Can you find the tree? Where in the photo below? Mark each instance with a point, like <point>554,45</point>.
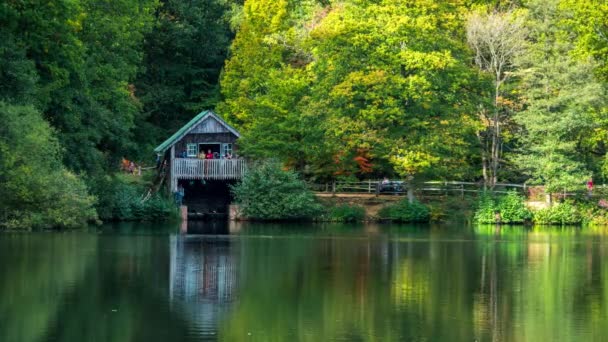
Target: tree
<point>351,88</point>
<point>183,55</point>
<point>75,61</point>
<point>562,100</point>
<point>589,20</point>
<point>393,82</point>
<point>497,39</point>
<point>36,191</point>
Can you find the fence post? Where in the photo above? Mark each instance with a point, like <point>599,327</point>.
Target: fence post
<point>369,186</point>
<point>326,187</point>
<point>333,187</point>
<point>462,190</point>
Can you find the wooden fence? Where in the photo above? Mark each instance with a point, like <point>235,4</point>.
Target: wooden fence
<point>396,187</point>
<point>190,168</point>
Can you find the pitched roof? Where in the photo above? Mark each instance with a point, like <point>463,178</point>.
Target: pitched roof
<point>202,116</point>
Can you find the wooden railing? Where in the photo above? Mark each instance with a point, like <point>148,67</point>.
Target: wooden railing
<point>191,168</point>
<point>398,187</point>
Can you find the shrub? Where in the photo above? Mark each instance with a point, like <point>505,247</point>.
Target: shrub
<point>561,213</point>
<point>511,208</point>
<point>486,209</point>
<point>267,192</point>
<point>403,211</point>
<point>346,213</point>
<point>120,198</point>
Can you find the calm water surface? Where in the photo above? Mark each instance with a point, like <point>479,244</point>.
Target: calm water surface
<point>145,282</point>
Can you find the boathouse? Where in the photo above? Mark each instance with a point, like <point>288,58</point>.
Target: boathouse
<point>207,132</point>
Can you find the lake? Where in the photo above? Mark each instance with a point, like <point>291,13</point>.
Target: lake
<point>274,282</point>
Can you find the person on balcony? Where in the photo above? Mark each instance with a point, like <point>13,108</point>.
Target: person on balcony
<point>201,155</point>
<point>209,154</point>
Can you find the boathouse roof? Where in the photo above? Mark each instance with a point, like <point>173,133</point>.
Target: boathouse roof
<point>205,122</point>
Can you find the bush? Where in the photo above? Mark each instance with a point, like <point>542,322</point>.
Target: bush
<point>267,192</point>
<point>511,208</point>
<point>346,213</point>
<point>403,211</point>
<point>486,209</point>
<point>561,213</point>
<point>120,198</point>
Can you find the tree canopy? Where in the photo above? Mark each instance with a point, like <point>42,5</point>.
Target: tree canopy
<point>416,89</point>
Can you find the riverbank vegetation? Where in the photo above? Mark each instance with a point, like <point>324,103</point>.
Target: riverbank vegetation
<point>511,208</point>
<point>404,211</point>
<point>332,89</point>
<point>124,197</point>
<point>269,192</point>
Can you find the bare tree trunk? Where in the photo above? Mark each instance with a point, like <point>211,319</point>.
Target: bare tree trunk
<point>496,139</point>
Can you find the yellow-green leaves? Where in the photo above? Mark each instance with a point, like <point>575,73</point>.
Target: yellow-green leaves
<point>411,162</point>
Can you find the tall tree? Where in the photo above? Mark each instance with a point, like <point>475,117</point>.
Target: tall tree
<point>497,38</point>
<point>183,56</point>
<point>563,102</point>
<point>351,88</point>
<point>85,54</point>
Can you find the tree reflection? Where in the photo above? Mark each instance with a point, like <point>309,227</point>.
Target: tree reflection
<point>277,283</point>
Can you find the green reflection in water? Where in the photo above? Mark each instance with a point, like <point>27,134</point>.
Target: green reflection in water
<point>276,282</point>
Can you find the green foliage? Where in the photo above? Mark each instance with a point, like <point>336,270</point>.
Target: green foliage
<point>562,104</point>
<point>561,214</point>
<point>36,191</point>
<point>404,211</point>
<point>74,60</point>
<point>121,198</point>
<point>346,213</point>
<point>183,54</point>
<point>268,192</point>
<point>507,208</point>
<point>486,209</point>
<point>352,88</point>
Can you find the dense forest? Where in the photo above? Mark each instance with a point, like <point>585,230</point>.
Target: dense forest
<point>476,90</point>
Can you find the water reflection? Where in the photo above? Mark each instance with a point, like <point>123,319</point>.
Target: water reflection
<point>305,283</point>
<point>204,276</point>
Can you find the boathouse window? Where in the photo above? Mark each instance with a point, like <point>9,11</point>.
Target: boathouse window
<point>191,150</point>
<point>227,149</point>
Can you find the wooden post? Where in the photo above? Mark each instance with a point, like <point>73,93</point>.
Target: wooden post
<point>369,186</point>
<point>234,212</point>
<point>462,190</point>
<point>333,187</point>
<point>172,181</point>
<point>184,214</point>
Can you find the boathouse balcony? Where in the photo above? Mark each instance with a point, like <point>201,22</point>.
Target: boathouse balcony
<point>191,168</point>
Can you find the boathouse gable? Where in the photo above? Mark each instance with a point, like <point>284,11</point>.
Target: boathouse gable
<point>207,131</point>
<point>206,127</point>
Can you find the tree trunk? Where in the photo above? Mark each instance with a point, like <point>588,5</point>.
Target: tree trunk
<point>410,192</point>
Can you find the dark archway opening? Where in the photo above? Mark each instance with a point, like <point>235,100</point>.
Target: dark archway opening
<point>207,199</point>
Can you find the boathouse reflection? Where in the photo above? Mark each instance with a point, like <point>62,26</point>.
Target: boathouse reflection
<point>204,277</point>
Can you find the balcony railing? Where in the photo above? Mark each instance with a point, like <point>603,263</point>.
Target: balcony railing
<point>190,168</point>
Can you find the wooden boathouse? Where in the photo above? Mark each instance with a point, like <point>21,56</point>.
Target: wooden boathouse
<point>205,134</point>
